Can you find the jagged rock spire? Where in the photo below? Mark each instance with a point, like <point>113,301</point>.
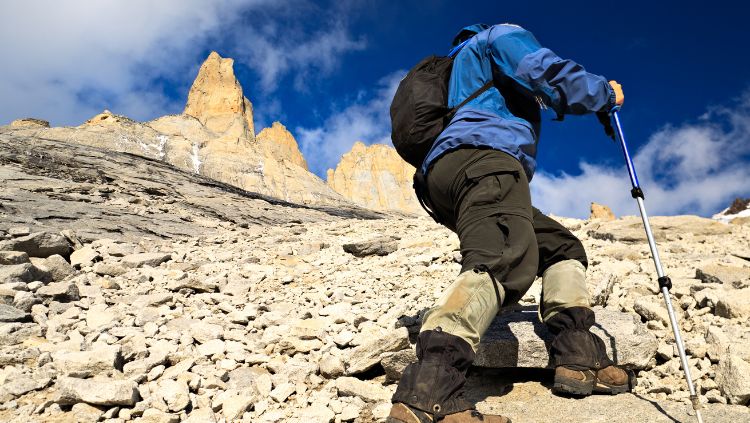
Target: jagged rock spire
<point>217,101</point>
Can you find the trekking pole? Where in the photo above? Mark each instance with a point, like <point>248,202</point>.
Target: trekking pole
<point>664,282</point>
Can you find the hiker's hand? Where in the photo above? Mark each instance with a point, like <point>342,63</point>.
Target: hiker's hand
<point>619,96</point>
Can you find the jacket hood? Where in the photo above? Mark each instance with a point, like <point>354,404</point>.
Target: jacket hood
<point>468,31</point>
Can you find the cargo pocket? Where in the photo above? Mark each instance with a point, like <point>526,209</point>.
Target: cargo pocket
<point>487,185</point>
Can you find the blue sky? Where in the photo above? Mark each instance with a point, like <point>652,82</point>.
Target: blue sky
<point>327,71</point>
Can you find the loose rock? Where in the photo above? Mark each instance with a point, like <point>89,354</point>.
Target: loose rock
<point>99,392</point>
<point>374,247</point>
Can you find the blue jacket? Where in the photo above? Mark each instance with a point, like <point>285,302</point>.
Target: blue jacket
<point>530,76</point>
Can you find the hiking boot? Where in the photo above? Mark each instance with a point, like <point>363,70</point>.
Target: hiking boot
<point>609,380</point>
<point>402,413</point>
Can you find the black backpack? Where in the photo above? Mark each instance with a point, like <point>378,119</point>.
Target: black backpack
<point>419,110</point>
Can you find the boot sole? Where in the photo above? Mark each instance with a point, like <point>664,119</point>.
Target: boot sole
<point>564,385</point>
<point>603,388</point>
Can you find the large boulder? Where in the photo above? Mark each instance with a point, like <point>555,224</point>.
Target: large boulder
<point>518,339</point>
<point>39,244</point>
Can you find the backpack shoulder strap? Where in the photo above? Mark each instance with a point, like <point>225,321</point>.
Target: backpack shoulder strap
<point>474,95</point>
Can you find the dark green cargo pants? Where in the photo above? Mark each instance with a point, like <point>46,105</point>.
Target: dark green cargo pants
<point>483,196</point>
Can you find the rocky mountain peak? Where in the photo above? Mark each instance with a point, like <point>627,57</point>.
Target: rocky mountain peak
<point>279,143</point>
<point>600,211</point>
<point>217,101</point>
<point>108,118</point>
<point>376,177</point>
<point>29,123</point>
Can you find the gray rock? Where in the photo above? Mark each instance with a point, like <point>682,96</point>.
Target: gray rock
<point>282,392</point>
<point>363,357</point>
<point>11,356</point>
<point>17,231</point>
<point>351,386</point>
<point>195,284</point>
<point>318,413</point>
<point>151,300</point>
<point>733,378</point>
<point>629,230</point>
<point>86,413</point>
<point>85,256</point>
<point>56,264</point>
<point>60,291</point>
<point>20,385</point>
<point>152,415</point>
<point>178,369</point>
<point>235,406</point>
<point>734,304</point>
<point>39,244</point>
<point>519,339</point>
<point>738,277</point>
<point>12,314</point>
<point>201,415</point>
<point>13,257</point>
<point>202,331</point>
<point>109,269</point>
<point>651,310</point>
<point>16,333</point>
<point>309,329</point>
<point>394,363</point>
<point>256,378</point>
<point>331,366</point>
<point>175,394</point>
<point>374,247</point>
<point>603,290</point>
<point>137,369</point>
<point>25,272</point>
<point>212,347</point>
<point>145,259</point>
<point>88,363</point>
<point>351,412</point>
<point>72,390</point>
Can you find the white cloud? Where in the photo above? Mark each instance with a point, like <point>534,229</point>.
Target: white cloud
<point>364,120</point>
<point>279,50</point>
<point>695,168</point>
<point>65,61</point>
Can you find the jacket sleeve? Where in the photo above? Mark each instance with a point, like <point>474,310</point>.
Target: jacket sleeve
<point>561,84</point>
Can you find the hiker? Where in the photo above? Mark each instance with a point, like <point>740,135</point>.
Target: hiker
<point>475,181</point>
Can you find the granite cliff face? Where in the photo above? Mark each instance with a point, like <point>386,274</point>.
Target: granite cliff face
<point>375,177</point>
<point>214,138</point>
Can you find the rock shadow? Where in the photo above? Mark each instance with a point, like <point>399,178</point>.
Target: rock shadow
<point>657,406</point>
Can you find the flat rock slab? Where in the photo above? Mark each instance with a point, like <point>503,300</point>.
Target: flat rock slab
<point>518,339</point>
<point>665,228</point>
<point>72,390</point>
<point>54,186</point>
<point>532,401</point>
